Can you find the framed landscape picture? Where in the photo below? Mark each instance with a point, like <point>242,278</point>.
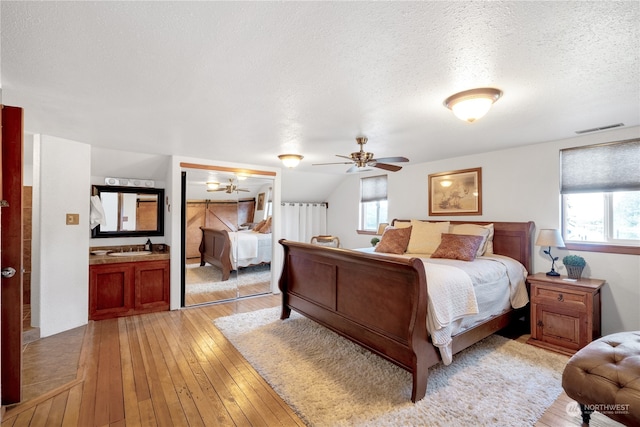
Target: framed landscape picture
<point>260,206</point>
<point>456,192</point>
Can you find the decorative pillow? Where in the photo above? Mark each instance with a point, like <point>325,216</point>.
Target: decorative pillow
<point>401,224</point>
<point>259,225</point>
<point>394,240</point>
<point>474,230</point>
<point>425,236</point>
<point>266,228</point>
<point>458,246</point>
<point>489,244</point>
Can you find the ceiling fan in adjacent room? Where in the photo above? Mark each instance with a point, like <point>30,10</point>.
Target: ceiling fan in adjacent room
<point>362,160</point>
<point>229,188</point>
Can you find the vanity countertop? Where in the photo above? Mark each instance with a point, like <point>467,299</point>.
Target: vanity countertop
<point>134,257</point>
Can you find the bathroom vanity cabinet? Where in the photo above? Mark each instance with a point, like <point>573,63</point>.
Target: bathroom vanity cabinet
<point>127,288</point>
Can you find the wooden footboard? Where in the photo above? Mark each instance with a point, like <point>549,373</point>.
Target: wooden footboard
<point>215,248</point>
<point>380,302</point>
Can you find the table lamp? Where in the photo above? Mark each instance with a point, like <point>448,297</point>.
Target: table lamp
<point>550,237</point>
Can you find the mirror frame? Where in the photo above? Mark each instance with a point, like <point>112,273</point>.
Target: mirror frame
<point>96,233</point>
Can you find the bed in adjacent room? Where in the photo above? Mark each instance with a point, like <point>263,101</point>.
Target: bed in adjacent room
<point>426,292</point>
<point>230,250</point>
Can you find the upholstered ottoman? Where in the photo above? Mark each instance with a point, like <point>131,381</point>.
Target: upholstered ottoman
<point>605,376</point>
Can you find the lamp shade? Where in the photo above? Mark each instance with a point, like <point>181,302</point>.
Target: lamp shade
<point>550,237</point>
<point>290,160</point>
<point>473,104</point>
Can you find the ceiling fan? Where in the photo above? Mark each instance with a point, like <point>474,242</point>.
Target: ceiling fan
<point>361,160</point>
<point>230,188</point>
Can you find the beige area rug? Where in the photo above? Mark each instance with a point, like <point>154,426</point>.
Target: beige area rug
<point>329,381</point>
<point>208,278</point>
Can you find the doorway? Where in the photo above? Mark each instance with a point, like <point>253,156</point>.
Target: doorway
<point>223,208</point>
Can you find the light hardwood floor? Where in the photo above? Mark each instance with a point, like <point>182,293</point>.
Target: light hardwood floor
<point>176,369</point>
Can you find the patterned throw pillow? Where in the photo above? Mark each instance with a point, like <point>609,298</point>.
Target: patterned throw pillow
<point>259,226</point>
<point>475,230</point>
<point>266,228</point>
<point>458,246</point>
<point>394,240</point>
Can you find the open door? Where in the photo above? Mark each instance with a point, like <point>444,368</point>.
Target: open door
<point>11,143</point>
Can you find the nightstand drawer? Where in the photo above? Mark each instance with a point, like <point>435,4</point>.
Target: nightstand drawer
<point>542,295</point>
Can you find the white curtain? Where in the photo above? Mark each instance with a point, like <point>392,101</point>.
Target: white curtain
<point>302,221</point>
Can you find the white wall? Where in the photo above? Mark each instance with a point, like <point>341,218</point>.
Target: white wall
<point>519,184</point>
<point>60,264</point>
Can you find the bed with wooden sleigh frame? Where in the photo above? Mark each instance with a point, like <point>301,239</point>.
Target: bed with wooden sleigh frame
<point>380,302</point>
<point>216,249</point>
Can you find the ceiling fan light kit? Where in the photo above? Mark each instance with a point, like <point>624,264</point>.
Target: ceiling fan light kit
<point>362,161</point>
<point>290,160</point>
<point>470,105</point>
<point>229,188</point>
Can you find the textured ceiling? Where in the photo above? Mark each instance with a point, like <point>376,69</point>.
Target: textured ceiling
<point>246,81</point>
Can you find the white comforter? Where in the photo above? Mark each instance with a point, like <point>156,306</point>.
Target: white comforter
<point>249,248</point>
<point>452,296</point>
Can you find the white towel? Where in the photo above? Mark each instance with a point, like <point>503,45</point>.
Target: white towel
<point>96,215</point>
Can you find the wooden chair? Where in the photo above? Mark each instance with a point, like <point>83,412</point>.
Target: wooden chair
<point>324,240</point>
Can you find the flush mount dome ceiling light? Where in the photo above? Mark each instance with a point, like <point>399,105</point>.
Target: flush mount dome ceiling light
<point>290,160</point>
<point>470,105</point>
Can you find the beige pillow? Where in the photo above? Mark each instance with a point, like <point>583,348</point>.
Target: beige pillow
<point>401,224</point>
<point>259,226</point>
<point>474,230</point>
<point>266,228</point>
<point>394,240</point>
<point>425,236</point>
<point>458,246</point>
<point>489,243</point>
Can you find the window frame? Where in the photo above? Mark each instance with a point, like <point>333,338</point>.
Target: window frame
<point>361,206</point>
<point>611,245</point>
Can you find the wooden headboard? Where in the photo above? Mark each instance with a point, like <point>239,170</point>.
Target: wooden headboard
<point>512,239</point>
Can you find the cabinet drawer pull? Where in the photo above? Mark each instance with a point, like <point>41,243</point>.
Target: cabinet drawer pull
<point>560,297</point>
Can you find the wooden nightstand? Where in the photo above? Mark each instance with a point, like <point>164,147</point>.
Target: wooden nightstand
<point>565,315</point>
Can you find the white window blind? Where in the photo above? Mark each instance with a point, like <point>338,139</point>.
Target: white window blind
<point>373,189</point>
<point>601,168</point>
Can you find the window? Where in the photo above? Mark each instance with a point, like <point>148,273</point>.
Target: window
<point>373,202</point>
<point>600,187</point>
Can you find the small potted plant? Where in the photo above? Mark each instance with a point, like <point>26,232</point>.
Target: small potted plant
<point>374,241</point>
<point>574,264</point>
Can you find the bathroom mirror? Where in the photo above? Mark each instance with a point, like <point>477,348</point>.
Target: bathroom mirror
<point>130,211</point>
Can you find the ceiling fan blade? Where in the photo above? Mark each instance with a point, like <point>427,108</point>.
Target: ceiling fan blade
<point>355,168</point>
<point>386,166</point>
<point>242,189</point>
<point>352,169</point>
<point>337,163</point>
<point>391,159</point>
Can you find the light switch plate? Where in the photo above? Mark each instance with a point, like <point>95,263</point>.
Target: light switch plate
<point>73,219</point>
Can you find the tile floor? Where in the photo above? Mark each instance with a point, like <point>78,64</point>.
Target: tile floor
<point>50,362</point>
